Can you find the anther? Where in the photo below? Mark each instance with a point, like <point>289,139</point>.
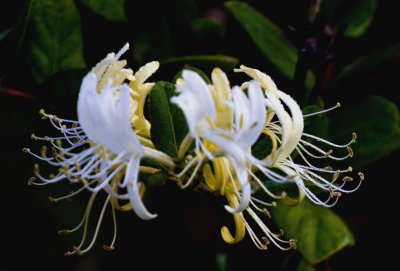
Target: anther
<point>31,180</point>
<point>77,250</point>
<point>266,212</point>
<point>63,232</point>
<point>51,199</point>
<point>338,105</point>
<point>361,175</point>
<point>354,137</point>
<point>293,243</point>
<point>347,179</point>
<point>328,153</point>
<point>107,248</point>
<point>336,175</point>
<point>43,114</point>
<point>350,150</point>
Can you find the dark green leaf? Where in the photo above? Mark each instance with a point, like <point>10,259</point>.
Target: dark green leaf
<point>168,124</point>
<point>319,232</point>
<point>156,179</point>
<point>269,38</point>
<point>204,63</point>
<point>359,16</point>
<point>56,38</point>
<point>113,10</point>
<point>207,27</point>
<point>13,37</point>
<point>262,148</point>
<point>365,63</point>
<point>376,122</point>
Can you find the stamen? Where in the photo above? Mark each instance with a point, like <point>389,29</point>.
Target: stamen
<point>323,111</point>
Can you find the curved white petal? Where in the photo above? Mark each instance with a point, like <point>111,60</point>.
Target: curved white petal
<point>196,102</point>
<point>250,114</point>
<point>296,128</point>
<point>104,116</point>
<point>238,159</point>
<point>131,179</point>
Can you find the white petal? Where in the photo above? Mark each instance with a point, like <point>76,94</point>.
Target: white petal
<point>297,125</point>
<point>131,179</point>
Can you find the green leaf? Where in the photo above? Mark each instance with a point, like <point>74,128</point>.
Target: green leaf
<point>268,37</point>
<point>262,148</point>
<point>113,10</point>
<point>320,233</point>
<point>56,38</point>
<point>207,27</point>
<point>365,63</point>
<point>376,122</point>
<point>168,124</point>
<point>203,62</point>
<point>13,37</point>
<point>359,17</point>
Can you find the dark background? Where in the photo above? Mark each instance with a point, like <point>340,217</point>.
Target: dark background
<point>186,235</point>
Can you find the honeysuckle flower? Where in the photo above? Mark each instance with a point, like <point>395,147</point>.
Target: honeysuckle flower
<point>101,150</point>
<point>199,105</point>
<point>287,132</point>
<point>242,120</point>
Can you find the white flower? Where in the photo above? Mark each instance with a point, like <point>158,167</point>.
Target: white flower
<point>101,150</point>
<point>199,105</point>
<point>288,132</point>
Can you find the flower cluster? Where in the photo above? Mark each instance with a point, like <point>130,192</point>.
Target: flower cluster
<point>105,148</point>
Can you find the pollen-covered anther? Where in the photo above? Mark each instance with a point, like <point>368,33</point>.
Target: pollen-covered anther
<point>77,250</point>
<point>43,151</point>
<point>63,232</point>
<point>36,169</point>
<point>107,248</point>
<point>347,179</point>
<point>338,105</point>
<point>361,176</point>
<point>336,175</point>
<point>266,212</point>
<point>266,242</point>
<point>31,180</point>
<point>354,137</point>
<point>293,243</point>
<point>328,153</point>
<point>51,199</point>
<point>26,150</point>
<point>350,150</point>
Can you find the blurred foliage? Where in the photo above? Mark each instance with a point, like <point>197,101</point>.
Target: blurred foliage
<point>321,52</point>
<point>319,232</point>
